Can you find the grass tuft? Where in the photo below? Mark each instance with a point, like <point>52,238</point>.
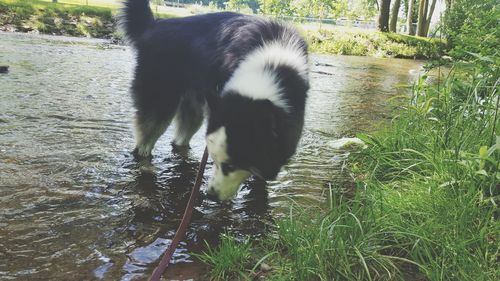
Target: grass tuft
<point>228,261</point>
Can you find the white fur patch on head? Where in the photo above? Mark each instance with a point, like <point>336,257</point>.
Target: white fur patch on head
<point>225,186</point>
<point>253,78</point>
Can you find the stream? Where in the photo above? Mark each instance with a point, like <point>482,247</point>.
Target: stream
<point>73,202</point>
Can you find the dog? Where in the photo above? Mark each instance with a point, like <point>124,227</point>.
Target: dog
<point>248,75</point>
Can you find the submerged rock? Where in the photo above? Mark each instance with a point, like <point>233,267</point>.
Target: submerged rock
<point>347,144</point>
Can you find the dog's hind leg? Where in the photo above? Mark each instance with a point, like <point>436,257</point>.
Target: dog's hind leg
<point>188,118</point>
<point>156,103</point>
<point>149,129</point>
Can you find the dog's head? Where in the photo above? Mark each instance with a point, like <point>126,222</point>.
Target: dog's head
<point>256,121</point>
<point>245,137</point>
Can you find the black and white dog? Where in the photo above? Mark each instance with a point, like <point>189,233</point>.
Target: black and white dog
<point>249,74</point>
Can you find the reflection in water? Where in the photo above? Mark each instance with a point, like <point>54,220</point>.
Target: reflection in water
<point>73,201</point>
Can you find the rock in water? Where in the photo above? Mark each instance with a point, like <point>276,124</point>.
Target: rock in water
<point>347,144</point>
<point>4,68</point>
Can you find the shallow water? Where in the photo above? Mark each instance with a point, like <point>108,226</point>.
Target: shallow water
<point>73,204</point>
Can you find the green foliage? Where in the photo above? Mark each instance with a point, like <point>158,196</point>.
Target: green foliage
<point>229,260</point>
<point>472,27</point>
<point>359,8</point>
<point>239,6</point>
<point>346,243</point>
<point>368,43</point>
<point>438,167</point>
<point>314,8</point>
<point>318,8</point>
<point>276,8</point>
<point>61,19</point>
<point>452,122</point>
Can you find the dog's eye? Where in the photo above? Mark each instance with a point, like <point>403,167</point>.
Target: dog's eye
<point>227,168</point>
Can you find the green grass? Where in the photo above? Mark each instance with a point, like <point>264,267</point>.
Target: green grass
<point>94,3</point>
<point>436,169</point>
<point>358,42</point>
<point>425,206</point>
<point>69,17</point>
<point>60,18</point>
<point>229,260</point>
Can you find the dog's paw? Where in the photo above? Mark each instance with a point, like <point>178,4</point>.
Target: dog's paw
<point>140,156</point>
<point>179,148</point>
<point>146,167</point>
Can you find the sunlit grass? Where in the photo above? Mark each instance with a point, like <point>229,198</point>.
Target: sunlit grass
<point>61,18</point>
<point>95,3</point>
<point>114,5</point>
<point>363,42</point>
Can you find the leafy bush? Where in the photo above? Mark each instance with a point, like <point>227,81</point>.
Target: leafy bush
<point>472,27</point>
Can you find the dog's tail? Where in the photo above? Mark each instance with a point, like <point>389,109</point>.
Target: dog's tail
<point>135,18</point>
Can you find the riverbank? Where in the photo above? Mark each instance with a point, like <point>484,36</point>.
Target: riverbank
<point>56,19</point>
<point>362,42</point>
<point>100,22</point>
<point>424,205</point>
<point>60,19</point>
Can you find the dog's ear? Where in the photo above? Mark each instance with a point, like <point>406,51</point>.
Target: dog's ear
<point>267,134</point>
<point>267,119</point>
<point>214,112</point>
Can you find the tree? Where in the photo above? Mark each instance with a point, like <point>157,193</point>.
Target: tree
<point>276,7</point>
<point>312,8</point>
<point>429,17</point>
<point>383,17</point>
<point>238,5</point>
<point>410,18</point>
<point>424,17</point>
<point>394,16</point>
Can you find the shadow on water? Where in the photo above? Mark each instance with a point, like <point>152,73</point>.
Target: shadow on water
<point>73,202</point>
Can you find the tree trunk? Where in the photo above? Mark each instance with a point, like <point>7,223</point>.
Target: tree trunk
<point>394,16</point>
<point>383,18</point>
<point>410,17</point>
<point>429,17</point>
<point>422,13</point>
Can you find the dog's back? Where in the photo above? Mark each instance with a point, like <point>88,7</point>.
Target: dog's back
<point>207,47</point>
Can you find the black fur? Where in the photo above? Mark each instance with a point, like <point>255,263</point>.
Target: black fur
<point>184,62</point>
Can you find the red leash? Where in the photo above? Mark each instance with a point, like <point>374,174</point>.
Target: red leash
<point>181,231</point>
